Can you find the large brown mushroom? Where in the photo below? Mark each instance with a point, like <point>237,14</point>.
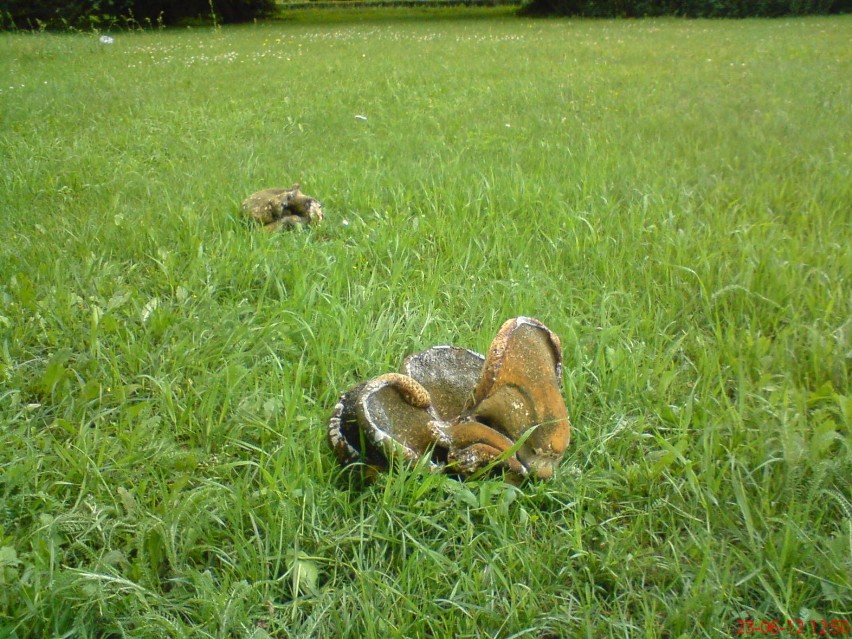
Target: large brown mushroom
<point>465,412</point>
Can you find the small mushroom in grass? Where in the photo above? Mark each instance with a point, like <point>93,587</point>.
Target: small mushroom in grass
<point>279,209</point>
<point>466,412</point>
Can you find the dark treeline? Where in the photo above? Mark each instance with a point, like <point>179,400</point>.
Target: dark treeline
<point>686,8</point>
<point>32,14</point>
<point>36,14</point>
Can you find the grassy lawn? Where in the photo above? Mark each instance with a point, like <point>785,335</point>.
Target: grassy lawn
<point>671,197</point>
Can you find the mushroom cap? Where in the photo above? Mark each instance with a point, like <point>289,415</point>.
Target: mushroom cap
<point>405,414</point>
<point>386,417</point>
<point>450,374</point>
<point>520,390</point>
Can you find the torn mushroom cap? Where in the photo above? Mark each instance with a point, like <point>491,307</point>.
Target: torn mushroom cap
<point>520,389</point>
<point>387,417</point>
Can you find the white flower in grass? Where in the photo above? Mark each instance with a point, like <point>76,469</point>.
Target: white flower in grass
<point>105,39</point>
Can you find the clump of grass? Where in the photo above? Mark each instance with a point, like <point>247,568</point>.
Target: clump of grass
<point>670,197</point>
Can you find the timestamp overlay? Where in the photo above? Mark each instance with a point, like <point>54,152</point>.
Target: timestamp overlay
<point>791,627</point>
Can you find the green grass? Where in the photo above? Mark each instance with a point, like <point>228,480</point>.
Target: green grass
<point>670,197</point>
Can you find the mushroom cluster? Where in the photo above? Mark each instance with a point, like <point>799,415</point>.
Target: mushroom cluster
<point>278,209</point>
<point>463,413</point>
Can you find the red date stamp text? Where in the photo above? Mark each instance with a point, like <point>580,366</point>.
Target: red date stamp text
<point>811,627</point>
